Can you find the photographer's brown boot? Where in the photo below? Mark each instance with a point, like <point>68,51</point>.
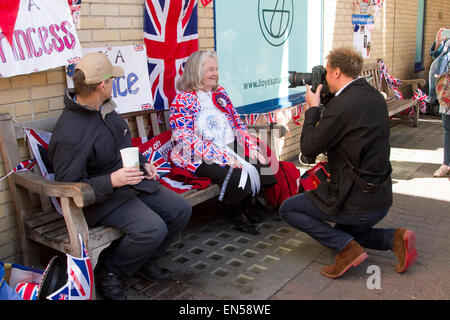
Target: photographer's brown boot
<point>352,255</point>
<point>404,248</point>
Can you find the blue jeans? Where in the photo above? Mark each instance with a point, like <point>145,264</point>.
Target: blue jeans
<point>446,125</point>
<point>301,213</point>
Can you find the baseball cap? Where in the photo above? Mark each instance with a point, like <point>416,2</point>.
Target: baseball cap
<point>97,68</point>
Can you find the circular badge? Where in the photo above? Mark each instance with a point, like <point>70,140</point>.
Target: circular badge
<point>275,20</point>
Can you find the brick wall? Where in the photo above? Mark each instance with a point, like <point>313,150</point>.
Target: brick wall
<point>119,22</point>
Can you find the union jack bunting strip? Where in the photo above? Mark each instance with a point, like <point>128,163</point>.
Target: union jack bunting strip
<point>423,98</point>
<point>298,110</point>
<point>170,36</point>
<point>79,284</point>
<point>251,119</point>
<point>392,82</point>
<point>23,166</point>
<point>271,117</point>
<point>75,6</point>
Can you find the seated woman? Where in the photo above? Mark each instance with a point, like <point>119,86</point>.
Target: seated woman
<point>209,134</point>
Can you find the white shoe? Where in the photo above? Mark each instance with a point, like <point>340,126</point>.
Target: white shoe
<point>443,171</point>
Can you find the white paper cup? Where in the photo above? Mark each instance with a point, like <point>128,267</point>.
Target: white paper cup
<point>130,157</point>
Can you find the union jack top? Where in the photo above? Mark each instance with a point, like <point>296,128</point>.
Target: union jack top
<point>190,149</point>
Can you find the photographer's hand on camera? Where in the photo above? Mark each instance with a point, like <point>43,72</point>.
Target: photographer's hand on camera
<point>313,99</point>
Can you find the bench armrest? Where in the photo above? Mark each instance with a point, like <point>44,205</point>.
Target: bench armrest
<point>414,82</point>
<point>82,193</point>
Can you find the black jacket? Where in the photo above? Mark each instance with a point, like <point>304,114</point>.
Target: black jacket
<point>354,125</point>
<point>84,147</point>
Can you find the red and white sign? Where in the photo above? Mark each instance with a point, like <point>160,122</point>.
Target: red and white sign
<point>36,35</point>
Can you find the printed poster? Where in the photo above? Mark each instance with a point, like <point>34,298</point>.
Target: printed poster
<point>36,35</point>
<point>362,26</point>
<point>131,92</point>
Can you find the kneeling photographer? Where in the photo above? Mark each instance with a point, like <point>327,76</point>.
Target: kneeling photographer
<point>354,132</point>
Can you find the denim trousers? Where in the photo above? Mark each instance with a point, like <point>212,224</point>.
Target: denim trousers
<point>301,213</point>
<point>446,125</point>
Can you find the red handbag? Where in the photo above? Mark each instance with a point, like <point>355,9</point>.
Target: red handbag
<point>311,179</point>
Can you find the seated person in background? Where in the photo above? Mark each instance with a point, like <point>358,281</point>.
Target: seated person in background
<point>85,148</point>
<point>207,131</point>
<point>354,131</point>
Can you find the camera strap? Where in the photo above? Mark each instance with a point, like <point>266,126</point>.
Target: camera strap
<point>360,182</point>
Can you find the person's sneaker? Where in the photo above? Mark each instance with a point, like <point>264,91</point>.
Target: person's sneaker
<point>352,255</point>
<point>154,272</point>
<point>110,285</point>
<point>404,248</point>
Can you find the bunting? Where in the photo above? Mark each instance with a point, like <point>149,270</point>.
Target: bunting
<point>280,116</point>
<point>423,98</point>
<point>392,82</point>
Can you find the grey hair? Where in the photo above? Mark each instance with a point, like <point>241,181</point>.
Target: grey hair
<point>191,79</point>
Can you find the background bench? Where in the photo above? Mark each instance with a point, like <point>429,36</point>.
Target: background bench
<point>37,220</point>
<point>373,74</point>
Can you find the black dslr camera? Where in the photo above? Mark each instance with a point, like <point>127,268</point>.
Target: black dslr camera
<point>316,77</point>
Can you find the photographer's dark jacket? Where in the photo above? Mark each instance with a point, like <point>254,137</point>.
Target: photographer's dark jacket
<point>84,147</point>
<point>354,125</point>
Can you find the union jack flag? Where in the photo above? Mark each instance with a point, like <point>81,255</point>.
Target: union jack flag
<point>79,284</point>
<point>75,6</point>
<point>162,166</point>
<point>170,36</point>
<point>23,166</point>
<point>27,290</point>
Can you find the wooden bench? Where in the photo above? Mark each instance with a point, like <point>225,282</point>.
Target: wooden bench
<point>373,75</point>
<point>37,220</point>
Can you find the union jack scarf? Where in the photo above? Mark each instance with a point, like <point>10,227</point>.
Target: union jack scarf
<point>26,165</point>
<point>392,82</point>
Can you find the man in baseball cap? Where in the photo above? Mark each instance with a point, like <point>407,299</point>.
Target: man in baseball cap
<point>97,68</point>
<point>85,147</point>
<point>92,75</point>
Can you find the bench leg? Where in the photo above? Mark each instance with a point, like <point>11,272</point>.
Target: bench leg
<point>416,115</point>
<point>76,224</point>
